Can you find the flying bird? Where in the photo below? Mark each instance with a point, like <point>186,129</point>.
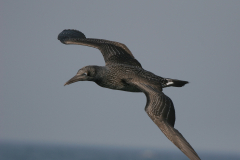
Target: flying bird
<point>123,72</point>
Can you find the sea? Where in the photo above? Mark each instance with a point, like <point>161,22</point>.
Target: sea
<point>23,151</point>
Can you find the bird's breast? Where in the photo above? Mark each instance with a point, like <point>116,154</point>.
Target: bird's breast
<point>115,75</point>
<point>117,84</point>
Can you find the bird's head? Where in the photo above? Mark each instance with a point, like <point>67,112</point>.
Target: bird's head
<point>87,73</point>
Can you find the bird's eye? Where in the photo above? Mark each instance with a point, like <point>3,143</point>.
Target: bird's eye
<point>85,74</point>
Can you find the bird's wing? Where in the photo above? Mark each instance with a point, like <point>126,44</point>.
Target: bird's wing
<point>160,109</point>
<point>113,52</point>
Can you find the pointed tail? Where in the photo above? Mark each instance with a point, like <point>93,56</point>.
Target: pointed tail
<point>175,83</point>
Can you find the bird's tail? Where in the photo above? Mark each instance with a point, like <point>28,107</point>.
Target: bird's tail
<point>175,82</point>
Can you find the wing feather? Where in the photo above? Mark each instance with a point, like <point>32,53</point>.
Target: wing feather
<point>113,52</point>
<point>160,109</point>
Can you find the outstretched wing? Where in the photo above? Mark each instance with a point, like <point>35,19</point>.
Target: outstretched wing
<point>113,52</point>
<point>160,109</point>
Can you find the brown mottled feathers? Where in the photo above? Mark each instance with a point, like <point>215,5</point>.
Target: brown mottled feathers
<point>160,109</point>
<point>113,52</point>
<point>124,72</point>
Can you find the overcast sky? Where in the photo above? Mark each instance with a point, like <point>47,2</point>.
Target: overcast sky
<point>197,41</point>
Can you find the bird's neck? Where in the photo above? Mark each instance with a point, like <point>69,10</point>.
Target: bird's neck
<point>100,72</point>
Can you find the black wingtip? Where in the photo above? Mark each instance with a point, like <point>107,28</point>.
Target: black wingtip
<point>70,34</point>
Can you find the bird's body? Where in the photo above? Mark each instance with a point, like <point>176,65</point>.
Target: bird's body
<point>111,79</point>
<point>115,77</point>
<point>123,72</point>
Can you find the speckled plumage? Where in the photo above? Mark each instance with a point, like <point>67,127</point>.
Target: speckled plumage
<point>123,72</point>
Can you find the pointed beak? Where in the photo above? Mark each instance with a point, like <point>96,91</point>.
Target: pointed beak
<point>74,79</point>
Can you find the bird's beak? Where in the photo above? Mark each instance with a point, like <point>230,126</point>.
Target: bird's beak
<point>74,79</point>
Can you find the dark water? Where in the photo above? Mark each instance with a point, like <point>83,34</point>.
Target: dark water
<point>11,151</point>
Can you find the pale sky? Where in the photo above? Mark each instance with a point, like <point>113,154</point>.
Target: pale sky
<point>196,41</point>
